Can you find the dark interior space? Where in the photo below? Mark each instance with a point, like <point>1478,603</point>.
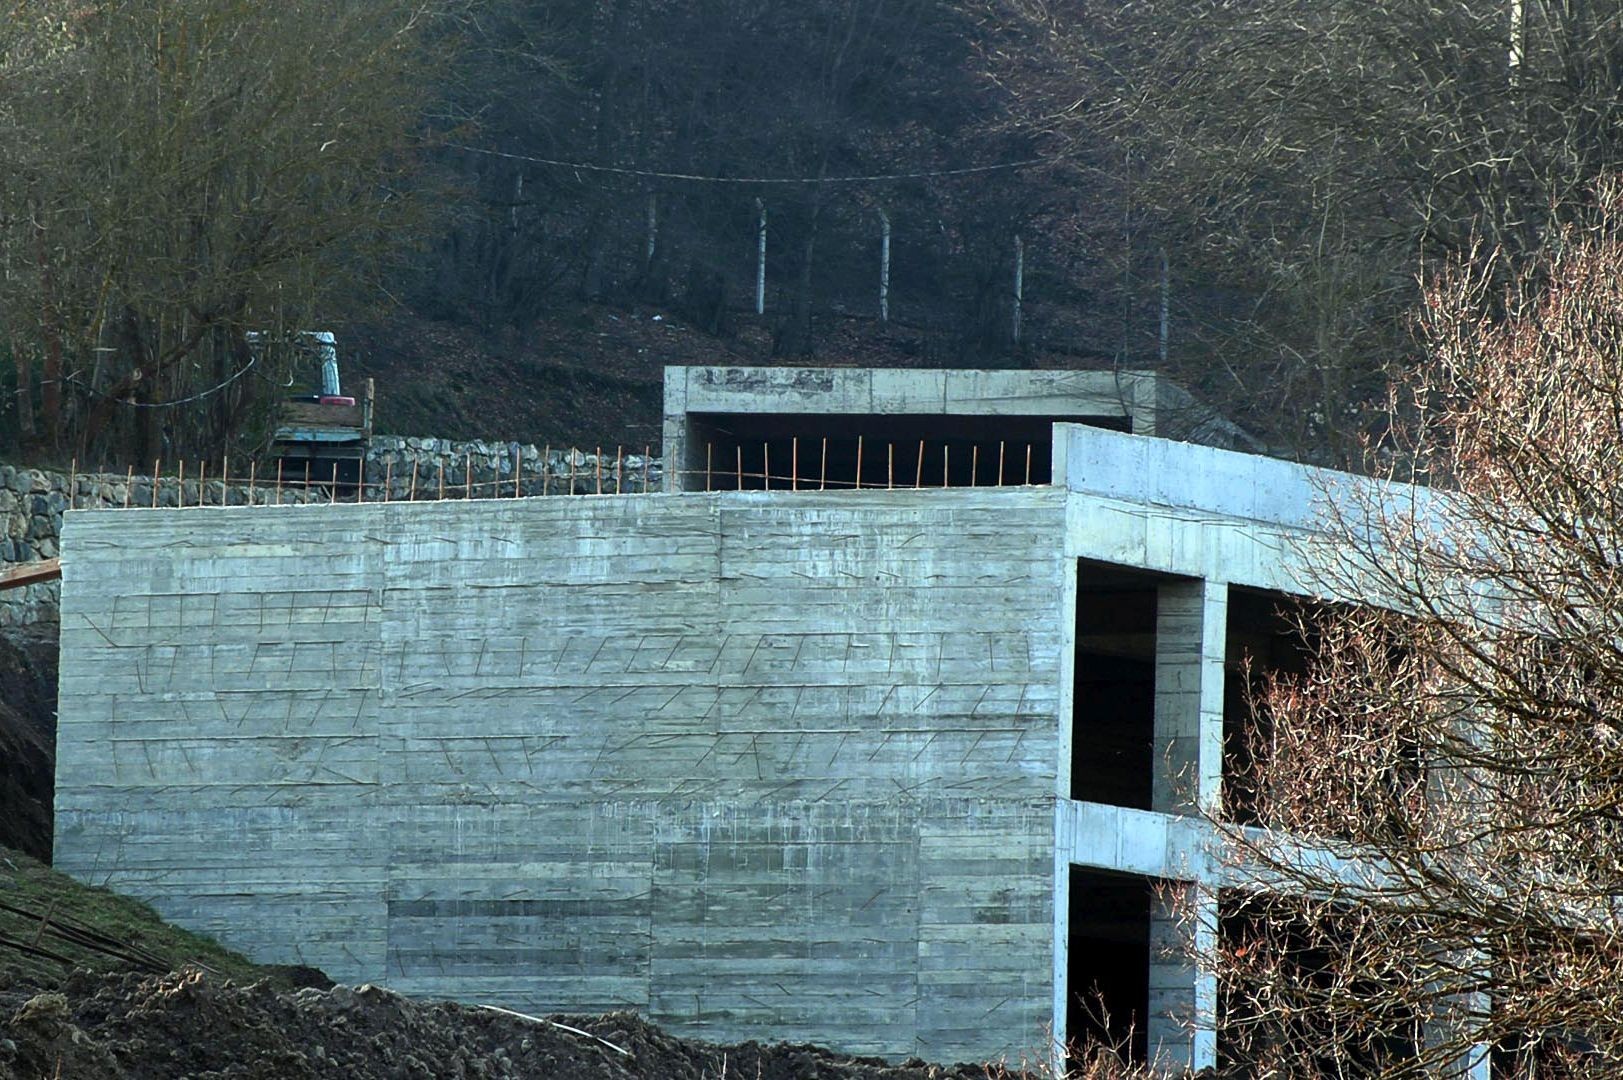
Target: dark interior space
<point>1108,972</point>
<point>1300,940</point>
<point>1113,693</point>
<point>303,469</point>
<point>730,452</point>
<point>1265,638</point>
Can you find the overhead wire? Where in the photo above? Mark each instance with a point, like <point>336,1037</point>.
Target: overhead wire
<point>658,174</point>
<point>216,388</point>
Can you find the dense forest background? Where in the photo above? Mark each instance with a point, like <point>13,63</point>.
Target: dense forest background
<point>514,213</point>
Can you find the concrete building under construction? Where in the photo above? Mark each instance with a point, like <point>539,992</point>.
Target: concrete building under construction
<point>885,726</point>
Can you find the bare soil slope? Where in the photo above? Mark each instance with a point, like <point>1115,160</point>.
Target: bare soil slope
<point>27,739</point>
<point>187,1024</point>
<point>94,986</point>
<point>593,376</point>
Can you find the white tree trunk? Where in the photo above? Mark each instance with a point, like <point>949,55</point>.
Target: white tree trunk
<point>760,257</point>
<point>1166,295</point>
<point>884,266</point>
<point>1019,284</point>
<point>1518,40</point>
<point>653,230</point>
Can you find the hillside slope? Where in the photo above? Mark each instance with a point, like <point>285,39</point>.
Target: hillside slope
<point>27,739</point>
<point>94,986</point>
<point>593,376</point>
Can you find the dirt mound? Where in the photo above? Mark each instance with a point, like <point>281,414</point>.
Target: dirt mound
<point>27,740</point>
<point>187,1024</point>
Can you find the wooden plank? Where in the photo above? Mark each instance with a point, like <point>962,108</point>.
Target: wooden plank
<point>315,414</point>
<point>33,573</point>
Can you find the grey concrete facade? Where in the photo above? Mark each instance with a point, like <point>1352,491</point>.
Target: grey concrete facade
<point>743,766</point>
<point>763,764</point>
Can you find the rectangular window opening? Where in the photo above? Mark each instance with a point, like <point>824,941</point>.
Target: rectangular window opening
<point>1265,638</point>
<point>1108,963</point>
<point>1302,945</point>
<point>1113,690</point>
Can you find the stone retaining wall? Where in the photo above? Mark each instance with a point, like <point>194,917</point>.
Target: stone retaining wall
<point>393,460</point>
<point>32,500</point>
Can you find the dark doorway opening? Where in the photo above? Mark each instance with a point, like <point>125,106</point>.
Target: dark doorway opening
<point>1108,971</point>
<point>1113,692</point>
<point>1302,944</point>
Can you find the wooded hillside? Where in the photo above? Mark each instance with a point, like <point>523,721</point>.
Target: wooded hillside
<point>1232,192</point>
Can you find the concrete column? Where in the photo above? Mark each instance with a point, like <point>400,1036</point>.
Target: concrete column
<point>674,433</point>
<point>1450,1017</point>
<point>1182,1022</point>
<point>1191,626</point>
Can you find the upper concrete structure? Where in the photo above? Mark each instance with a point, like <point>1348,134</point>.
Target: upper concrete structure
<point>711,410</point>
<point>892,769</point>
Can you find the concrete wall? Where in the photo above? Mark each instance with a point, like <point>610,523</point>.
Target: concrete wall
<point>32,502</point>
<point>754,765</point>
<point>1139,401</point>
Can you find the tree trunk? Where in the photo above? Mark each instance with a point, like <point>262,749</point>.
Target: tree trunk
<point>794,338</point>
<point>608,77</point>
<point>50,326</point>
<point>25,392</point>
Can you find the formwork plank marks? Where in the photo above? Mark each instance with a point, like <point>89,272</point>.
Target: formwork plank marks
<point>751,764</point>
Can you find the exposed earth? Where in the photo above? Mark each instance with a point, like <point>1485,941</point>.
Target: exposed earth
<point>27,738</point>
<point>94,986</point>
<point>188,1024</point>
<point>594,375</point>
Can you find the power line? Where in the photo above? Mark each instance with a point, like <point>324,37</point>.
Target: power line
<point>656,174</point>
<point>216,388</point>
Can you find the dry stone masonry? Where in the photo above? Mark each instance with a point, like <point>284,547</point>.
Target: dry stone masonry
<point>416,468</point>
<point>32,501</point>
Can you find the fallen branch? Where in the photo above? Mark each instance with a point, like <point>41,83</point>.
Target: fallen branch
<point>561,1027</point>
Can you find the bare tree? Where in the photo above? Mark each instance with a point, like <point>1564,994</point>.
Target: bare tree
<point>1439,856</point>
<point>1304,158</point>
<point>194,169</point>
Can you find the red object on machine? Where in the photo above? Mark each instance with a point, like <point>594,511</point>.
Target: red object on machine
<point>331,399</point>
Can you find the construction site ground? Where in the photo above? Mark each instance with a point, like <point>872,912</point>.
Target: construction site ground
<point>94,986</point>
